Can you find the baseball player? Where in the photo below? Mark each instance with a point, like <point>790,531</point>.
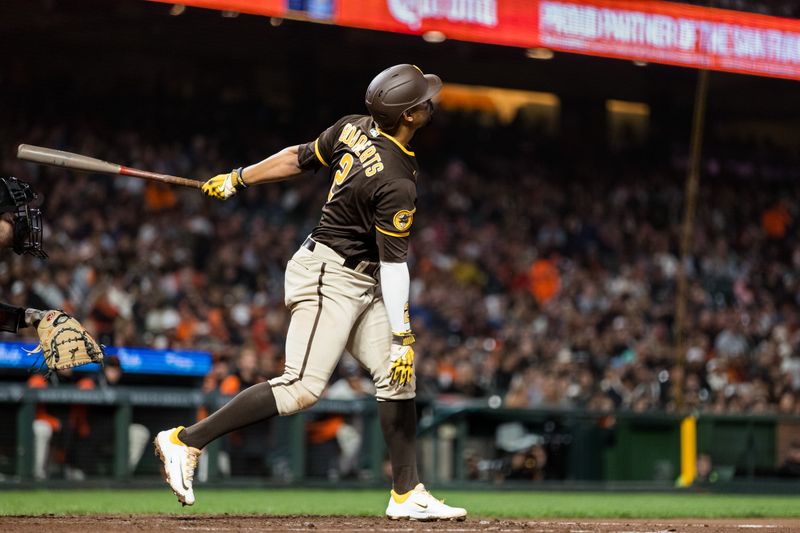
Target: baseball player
<point>21,230</point>
<point>346,287</point>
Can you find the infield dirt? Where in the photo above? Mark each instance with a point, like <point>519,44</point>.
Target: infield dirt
<point>325,524</point>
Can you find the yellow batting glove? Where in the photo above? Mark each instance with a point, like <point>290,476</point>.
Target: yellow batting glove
<point>223,186</point>
<point>402,359</point>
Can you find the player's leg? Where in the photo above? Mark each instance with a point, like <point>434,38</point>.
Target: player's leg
<point>253,404</point>
<point>370,342</point>
<point>323,309</point>
<point>257,403</point>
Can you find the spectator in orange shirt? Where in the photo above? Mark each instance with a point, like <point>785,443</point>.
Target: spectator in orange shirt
<point>776,220</point>
<point>245,376</point>
<point>243,450</point>
<point>44,425</point>
<point>159,197</point>
<point>545,280</point>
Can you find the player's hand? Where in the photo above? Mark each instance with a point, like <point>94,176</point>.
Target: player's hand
<point>402,359</point>
<point>223,186</point>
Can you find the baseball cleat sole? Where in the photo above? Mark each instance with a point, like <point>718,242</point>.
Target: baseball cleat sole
<point>432,519</point>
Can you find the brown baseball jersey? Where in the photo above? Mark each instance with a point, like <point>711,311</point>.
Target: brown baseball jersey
<point>373,193</point>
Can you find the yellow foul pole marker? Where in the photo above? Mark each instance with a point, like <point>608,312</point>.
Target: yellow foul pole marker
<point>688,451</point>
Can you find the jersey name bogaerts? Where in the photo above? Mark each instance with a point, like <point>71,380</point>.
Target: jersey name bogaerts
<point>373,191</point>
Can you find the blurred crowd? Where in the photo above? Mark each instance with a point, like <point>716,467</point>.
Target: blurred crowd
<point>543,274</point>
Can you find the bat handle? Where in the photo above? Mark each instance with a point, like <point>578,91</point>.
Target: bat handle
<point>164,178</point>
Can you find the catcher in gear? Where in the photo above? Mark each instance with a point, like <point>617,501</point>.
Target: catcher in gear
<point>20,222</point>
<point>63,341</point>
<point>346,287</point>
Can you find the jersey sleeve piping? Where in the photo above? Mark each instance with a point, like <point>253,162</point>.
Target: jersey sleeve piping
<point>319,156</point>
<point>392,233</point>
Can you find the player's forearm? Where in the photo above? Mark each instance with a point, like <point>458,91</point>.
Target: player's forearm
<point>277,167</point>
<point>395,283</point>
<point>12,318</point>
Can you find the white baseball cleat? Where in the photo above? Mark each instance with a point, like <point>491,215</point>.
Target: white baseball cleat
<point>419,504</point>
<point>179,462</point>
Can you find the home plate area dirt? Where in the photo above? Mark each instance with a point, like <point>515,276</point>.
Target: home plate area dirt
<point>325,524</point>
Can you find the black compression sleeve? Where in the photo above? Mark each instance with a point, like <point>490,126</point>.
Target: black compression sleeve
<point>11,318</point>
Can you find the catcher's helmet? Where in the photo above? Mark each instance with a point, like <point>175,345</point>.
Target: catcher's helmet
<point>398,89</point>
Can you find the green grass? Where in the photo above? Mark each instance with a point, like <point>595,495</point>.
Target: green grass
<point>372,502</point>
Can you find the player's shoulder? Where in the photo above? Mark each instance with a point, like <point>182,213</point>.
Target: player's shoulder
<point>362,121</point>
<point>347,124</point>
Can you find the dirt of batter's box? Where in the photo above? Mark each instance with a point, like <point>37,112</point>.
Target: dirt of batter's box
<point>313,524</point>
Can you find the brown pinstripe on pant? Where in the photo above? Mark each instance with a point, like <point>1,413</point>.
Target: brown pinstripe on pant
<point>333,309</point>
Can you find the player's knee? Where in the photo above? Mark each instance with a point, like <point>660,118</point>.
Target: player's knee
<point>300,398</point>
<point>292,396</point>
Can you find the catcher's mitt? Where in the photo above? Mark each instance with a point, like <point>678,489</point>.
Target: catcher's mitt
<point>65,343</point>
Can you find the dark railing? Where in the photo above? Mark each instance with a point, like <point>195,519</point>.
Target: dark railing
<point>457,442</point>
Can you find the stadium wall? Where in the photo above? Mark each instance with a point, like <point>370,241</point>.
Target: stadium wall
<point>582,446</point>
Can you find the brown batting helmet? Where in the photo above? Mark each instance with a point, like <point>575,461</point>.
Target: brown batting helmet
<point>396,90</point>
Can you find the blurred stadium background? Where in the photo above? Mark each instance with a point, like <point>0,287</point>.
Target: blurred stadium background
<point>546,263</point>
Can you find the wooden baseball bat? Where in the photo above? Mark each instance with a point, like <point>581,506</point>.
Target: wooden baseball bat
<point>59,158</point>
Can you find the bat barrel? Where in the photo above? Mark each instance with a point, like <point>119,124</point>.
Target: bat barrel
<point>59,158</point>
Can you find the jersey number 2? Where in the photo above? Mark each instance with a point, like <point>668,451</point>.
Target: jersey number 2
<point>345,165</point>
